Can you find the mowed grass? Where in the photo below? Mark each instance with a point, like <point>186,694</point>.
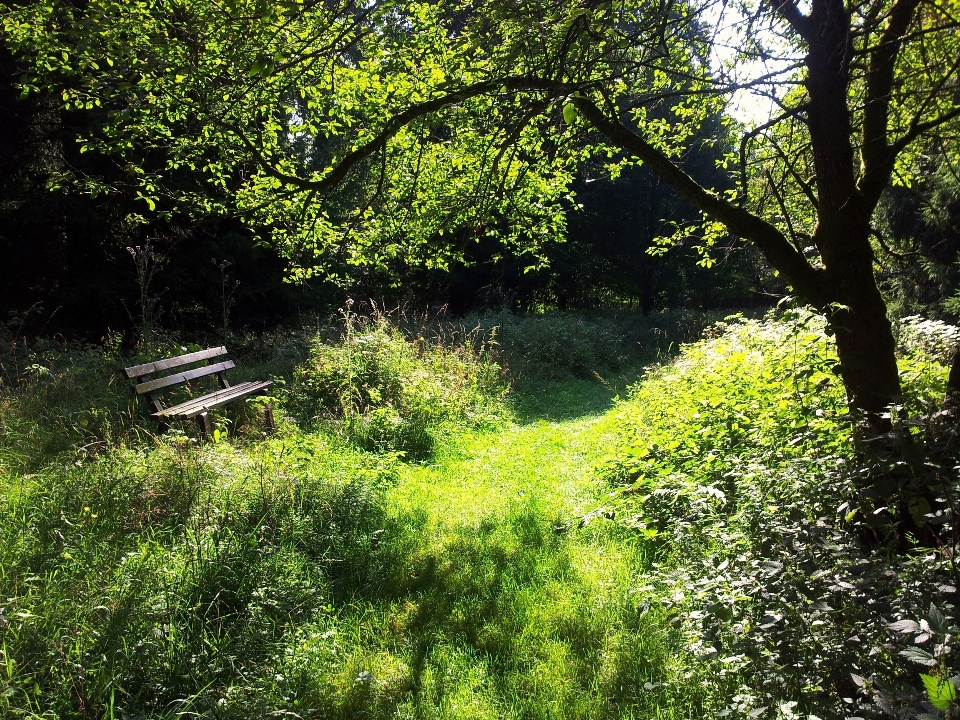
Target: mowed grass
<point>517,606</point>
<point>508,592</point>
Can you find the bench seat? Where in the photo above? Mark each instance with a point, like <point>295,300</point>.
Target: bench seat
<point>193,407</point>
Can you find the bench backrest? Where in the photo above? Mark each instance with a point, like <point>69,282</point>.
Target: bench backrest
<point>144,384</point>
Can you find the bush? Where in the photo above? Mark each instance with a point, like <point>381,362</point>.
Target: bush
<point>391,393</point>
<point>737,462</point>
<point>932,338</point>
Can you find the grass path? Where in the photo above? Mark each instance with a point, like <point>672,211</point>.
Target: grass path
<point>505,604</point>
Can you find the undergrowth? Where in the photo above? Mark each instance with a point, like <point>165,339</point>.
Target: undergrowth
<point>729,558</point>
<point>737,462</point>
<point>314,573</point>
<point>392,393</point>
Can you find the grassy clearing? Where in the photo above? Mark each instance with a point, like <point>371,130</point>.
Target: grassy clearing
<point>557,552</point>
<point>303,574</point>
<point>499,604</point>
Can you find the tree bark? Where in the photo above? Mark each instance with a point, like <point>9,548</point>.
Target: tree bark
<point>867,350</point>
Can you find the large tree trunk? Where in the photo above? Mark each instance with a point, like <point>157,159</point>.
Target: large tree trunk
<point>855,309</point>
<point>868,362</point>
<point>857,314</point>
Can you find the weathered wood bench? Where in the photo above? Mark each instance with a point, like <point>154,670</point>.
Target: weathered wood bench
<point>147,381</point>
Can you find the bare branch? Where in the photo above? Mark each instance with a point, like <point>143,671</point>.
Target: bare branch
<point>783,207</point>
<point>756,131</point>
<point>791,168</point>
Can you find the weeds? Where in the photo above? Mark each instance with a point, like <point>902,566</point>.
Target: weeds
<point>737,462</point>
<point>712,567</point>
<point>391,393</point>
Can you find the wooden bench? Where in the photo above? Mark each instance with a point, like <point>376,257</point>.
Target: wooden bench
<point>148,381</point>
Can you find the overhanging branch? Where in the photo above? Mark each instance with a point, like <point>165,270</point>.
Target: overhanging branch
<point>771,242</point>
<point>337,174</point>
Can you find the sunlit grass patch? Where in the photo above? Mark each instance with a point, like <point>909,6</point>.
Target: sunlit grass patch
<point>137,579</point>
<point>501,569</point>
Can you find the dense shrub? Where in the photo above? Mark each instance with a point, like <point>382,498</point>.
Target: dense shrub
<point>393,393</point>
<point>932,338</point>
<point>737,461</point>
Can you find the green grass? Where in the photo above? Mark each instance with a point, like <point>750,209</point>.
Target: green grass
<point>302,575</point>
<point>591,547</point>
<point>496,604</point>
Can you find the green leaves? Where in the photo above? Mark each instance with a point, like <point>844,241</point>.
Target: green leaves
<point>358,137</point>
<point>919,656</point>
<point>941,692</point>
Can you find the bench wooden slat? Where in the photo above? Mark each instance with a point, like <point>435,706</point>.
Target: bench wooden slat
<point>202,402</point>
<point>192,408</point>
<point>168,380</point>
<point>168,363</point>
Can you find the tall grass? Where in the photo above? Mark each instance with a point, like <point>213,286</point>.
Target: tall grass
<point>154,579</point>
<point>314,573</point>
<point>393,393</point>
<point>710,545</point>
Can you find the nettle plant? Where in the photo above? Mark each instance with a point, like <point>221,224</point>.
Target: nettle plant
<point>738,463</point>
<point>933,638</point>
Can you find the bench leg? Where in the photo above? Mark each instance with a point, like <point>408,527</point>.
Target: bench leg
<point>203,421</point>
<point>268,418</point>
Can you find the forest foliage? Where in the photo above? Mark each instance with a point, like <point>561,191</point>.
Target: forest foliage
<point>371,138</point>
<point>442,526</point>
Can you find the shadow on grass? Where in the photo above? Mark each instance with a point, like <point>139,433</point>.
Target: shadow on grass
<point>567,398</point>
<point>514,619</point>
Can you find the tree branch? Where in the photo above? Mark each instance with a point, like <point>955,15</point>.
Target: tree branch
<point>790,11</point>
<point>336,175</point>
<point>917,129</point>
<point>876,156</point>
<point>756,131</point>
<point>807,280</point>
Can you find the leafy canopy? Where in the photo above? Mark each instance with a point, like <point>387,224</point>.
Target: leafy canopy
<point>364,132</point>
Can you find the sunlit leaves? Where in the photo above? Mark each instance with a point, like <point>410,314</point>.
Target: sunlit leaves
<point>264,100</point>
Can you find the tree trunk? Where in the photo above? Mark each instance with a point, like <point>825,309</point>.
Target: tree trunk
<point>865,344</point>
<point>868,362</point>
